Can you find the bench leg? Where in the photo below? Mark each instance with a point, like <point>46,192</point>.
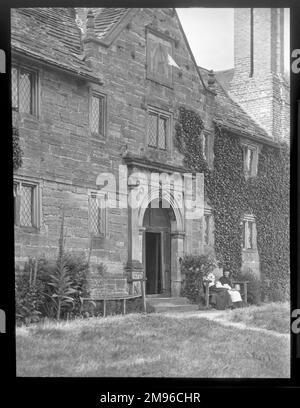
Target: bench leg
<point>207,296</point>
<point>104,307</point>
<point>124,306</point>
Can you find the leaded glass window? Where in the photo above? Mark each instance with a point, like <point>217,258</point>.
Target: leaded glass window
<point>26,204</point>
<point>23,90</point>
<point>152,130</point>
<point>97,214</point>
<point>97,114</point>
<point>158,130</point>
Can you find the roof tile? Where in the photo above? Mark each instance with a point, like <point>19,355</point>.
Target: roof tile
<point>50,34</point>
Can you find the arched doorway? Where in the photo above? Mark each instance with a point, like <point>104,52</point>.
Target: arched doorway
<point>172,221</point>
<point>157,250</point>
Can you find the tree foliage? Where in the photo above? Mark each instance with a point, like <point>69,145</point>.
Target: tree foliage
<point>17,151</point>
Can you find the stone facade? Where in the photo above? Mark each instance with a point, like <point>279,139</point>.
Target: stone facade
<point>259,83</point>
<point>63,158</point>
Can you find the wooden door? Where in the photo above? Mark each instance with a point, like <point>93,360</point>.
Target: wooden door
<point>153,263</point>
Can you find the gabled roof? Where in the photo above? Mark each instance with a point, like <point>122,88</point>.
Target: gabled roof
<point>106,19</point>
<point>110,21</point>
<point>51,35</point>
<point>231,115</point>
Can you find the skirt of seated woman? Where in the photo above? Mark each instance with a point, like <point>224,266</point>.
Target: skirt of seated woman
<point>220,298</point>
<point>235,296</point>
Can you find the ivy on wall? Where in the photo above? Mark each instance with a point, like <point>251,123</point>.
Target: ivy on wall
<point>231,195</point>
<point>17,151</point>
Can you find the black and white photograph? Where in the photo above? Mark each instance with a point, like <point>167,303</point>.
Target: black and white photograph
<point>151,188</point>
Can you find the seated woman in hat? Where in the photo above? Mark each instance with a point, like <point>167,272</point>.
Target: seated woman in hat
<point>220,297</point>
<point>225,282</point>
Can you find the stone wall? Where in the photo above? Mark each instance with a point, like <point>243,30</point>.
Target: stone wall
<point>264,95</point>
<point>62,155</point>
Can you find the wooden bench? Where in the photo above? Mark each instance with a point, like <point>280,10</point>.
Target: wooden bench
<point>124,298</point>
<point>244,292</point>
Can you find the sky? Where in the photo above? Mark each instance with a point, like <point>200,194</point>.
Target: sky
<point>210,35</point>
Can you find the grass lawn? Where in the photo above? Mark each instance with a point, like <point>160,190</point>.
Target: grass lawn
<point>153,345</point>
<point>271,316</point>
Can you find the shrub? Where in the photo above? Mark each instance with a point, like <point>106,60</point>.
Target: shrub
<point>30,294</point>
<point>194,267</point>
<point>78,269</point>
<point>61,287</point>
<point>275,291</point>
<point>35,300</point>
<point>17,150</point>
<point>254,286</point>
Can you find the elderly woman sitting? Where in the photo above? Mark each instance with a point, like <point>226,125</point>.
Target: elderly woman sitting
<point>222,293</point>
<point>234,293</point>
<point>220,297</point>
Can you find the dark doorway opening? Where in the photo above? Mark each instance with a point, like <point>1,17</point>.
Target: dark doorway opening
<point>153,263</point>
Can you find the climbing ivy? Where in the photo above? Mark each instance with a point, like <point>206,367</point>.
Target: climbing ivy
<point>231,195</point>
<point>17,151</point>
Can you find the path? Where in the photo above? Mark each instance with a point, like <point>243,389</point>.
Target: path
<point>219,317</point>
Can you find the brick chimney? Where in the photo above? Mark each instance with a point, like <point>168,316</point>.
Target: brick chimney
<point>259,84</point>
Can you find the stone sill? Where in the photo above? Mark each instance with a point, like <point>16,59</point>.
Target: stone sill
<point>249,251</point>
<point>31,230</point>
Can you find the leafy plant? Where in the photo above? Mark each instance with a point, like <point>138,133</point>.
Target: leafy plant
<point>194,268</point>
<point>254,286</point>
<point>29,292</point>
<point>60,280</point>
<point>62,286</point>
<point>17,151</point>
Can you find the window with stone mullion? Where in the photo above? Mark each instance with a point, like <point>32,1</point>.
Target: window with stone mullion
<point>162,132</point>
<point>206,229</point>
<point>22,82</point>
<point>15,88</point>
<point>26,213</point>
<point>152,130</point>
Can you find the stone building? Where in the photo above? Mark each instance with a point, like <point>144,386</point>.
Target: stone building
<point>96,94</point>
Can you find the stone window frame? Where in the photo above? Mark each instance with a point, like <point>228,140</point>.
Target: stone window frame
<point>35,86</point>
<point>166,115</point>
<point>254,166</point>
<point>155,32</point>
<point>209,149</point>
<point>19,182</point>
<point>208,213</point>
<point>102,197</point>
<point>103,96</point>
<point>249,219</point>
